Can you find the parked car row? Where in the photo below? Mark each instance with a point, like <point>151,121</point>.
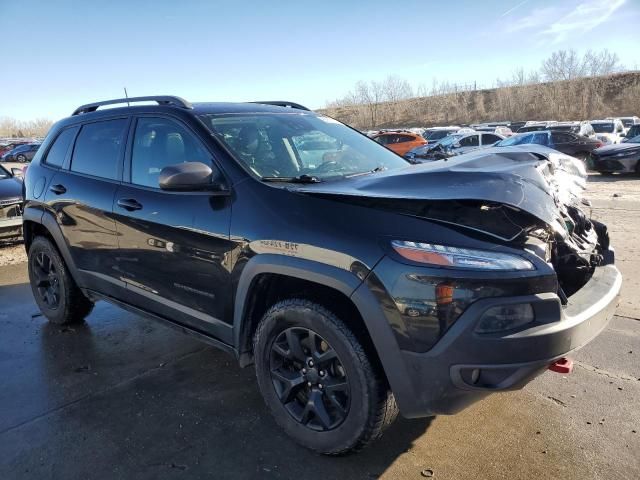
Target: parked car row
<point>10,202</point>
<point>20,153</point>
<point>610,130</point>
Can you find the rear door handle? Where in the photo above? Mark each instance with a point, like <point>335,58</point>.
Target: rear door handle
<point>129,204</point>
<point>58,189</point>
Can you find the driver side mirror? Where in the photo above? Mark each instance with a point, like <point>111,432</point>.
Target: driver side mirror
<point>191,176</point>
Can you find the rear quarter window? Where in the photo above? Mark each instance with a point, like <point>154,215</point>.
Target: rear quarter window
<point>58,151</point>
<point>98,148</point>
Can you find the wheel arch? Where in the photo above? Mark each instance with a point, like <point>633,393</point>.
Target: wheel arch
<point>349,293</point>
<point>267,278</point>
<point>38,222</point>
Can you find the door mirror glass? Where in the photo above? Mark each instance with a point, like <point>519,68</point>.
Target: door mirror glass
<point>189,176</point>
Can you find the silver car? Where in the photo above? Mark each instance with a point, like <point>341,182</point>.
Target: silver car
<point>454,145</point>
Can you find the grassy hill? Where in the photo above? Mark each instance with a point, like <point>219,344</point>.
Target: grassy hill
<point>580,99</point>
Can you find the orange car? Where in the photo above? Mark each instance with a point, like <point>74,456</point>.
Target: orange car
<point>399,142</point>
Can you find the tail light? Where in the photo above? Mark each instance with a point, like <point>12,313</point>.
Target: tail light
<point>599,144</point>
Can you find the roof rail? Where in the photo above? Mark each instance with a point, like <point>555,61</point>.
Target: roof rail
<point>284,103</point>
<point>162,100</point>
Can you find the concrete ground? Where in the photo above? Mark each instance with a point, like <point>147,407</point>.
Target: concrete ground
<point>123,397</point>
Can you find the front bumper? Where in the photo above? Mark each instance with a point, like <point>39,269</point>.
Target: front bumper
<point>611,164</point>
<point>10,228</point>
<point>463,367</point>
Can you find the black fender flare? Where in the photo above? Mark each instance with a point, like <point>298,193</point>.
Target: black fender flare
<point>48,220</point>
<point>346,282</point>
<point>323,274</point>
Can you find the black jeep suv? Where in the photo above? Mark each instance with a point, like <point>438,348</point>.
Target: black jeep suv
<point>358,284</point>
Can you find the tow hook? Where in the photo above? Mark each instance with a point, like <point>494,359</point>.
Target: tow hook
<point>562,365</point>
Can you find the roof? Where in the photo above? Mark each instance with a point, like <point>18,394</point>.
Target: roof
<point>238,107</point>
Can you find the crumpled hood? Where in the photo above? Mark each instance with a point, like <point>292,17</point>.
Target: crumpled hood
<point>534,179</point>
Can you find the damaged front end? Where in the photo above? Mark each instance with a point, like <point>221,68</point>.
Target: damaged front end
<point>529,197</point>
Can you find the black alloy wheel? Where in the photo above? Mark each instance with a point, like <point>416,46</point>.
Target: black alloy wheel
<point>47,279</point>
<point>58,296</point>
<point>309,379</point>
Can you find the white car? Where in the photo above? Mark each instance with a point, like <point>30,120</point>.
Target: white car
<point>627,122</point>
<point>608,131</point>
<point>435,134</point>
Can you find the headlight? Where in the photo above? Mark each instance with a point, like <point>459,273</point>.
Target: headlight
<point>627,153</point>
<point>466,258</point>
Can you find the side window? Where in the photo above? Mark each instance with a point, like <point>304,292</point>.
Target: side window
<point>470,141</point>
<point>58,151</point>
<point>405,138</point>
<point>98,147</point>
<point>382,139</point>
<point>540,139</point>
<point>158,143</point>
<point>490,139</point>
<point>559,137</point>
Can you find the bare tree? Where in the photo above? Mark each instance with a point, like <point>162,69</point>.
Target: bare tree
<point>396,88</point>
<point>562,65</point>
<point>601,63</point>
<point>567,65</point>
<point>10,127</point>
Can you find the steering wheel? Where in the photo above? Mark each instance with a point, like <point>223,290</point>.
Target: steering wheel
<point>325,167</point>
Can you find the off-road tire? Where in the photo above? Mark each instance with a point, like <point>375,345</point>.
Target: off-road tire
<point>372,404</point>
<point>73,306</point>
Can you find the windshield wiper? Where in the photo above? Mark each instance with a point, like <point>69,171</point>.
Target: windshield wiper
<point>379,168</point>
<point>304,178</point>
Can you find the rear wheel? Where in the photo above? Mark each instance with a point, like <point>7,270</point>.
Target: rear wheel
<point>55,291</point>
<point>21,158</point>
<point>317,380</point>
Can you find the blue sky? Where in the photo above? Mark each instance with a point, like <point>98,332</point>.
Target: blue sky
<point>60,54</point>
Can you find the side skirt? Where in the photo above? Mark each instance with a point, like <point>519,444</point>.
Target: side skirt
<point>170,323</point>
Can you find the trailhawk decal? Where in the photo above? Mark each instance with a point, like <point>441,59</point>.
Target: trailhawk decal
<point>302,250</point>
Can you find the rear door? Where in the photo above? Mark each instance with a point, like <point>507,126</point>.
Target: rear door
<point>81,193</point>
<point>174,248</point>
<point>567,143</point>
<point>489,139</point>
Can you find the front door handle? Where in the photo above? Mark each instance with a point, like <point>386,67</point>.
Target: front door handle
<point>58,189</point>
<point>129,204</point>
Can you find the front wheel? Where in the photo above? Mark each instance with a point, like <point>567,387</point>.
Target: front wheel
<point>317,380</point>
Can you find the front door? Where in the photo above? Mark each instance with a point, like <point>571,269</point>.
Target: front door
<point>171,267</point>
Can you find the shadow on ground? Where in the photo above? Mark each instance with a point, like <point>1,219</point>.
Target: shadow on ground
<point>612,178</point>
<point>122,397</point>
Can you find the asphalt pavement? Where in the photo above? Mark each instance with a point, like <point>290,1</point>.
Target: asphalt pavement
<point>124,397</point>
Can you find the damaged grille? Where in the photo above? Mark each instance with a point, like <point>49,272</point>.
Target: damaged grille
<point>575,256</point>
<point>10,208</point>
